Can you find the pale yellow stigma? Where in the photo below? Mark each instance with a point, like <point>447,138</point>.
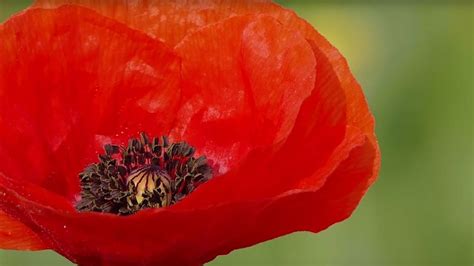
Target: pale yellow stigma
<point>150,182</point>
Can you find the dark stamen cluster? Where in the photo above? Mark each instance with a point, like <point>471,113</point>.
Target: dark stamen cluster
<point>145,174</point>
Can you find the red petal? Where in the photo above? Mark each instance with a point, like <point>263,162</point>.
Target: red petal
<point>335,68</point>
<point>166,20</point>
<point>334,78</point>
<point>183,237</point>
<point>15,235</point>
<point>81,77</point>
<point>157,18</point>
<point>171,21</point>
<point>245,80</point>
<point>316,177</point>
<point>331,123</point>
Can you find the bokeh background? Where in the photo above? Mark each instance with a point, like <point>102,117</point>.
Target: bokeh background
<point>415,61</point>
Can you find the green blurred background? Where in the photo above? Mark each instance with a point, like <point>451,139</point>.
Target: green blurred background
<point>415,62</point>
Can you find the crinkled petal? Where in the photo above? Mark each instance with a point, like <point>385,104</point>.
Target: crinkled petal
<point>331,123</point>
<point>307,176</point>
<point>335,80</point>
<point>167,20</point>
<point>245,79</point>
<point>70,79</point>
<point>158,17</point>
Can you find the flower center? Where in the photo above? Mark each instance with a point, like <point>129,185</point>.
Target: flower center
<point>144,174</point>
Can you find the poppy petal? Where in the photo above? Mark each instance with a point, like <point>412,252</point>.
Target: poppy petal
<point>272,217</point>
<point>185,17</point>
<point>331,122</point>
<point>198,14</point>
<point>58,112</point>
<point>245,80</point>
<point>15,235</point>
<point>336,101</point>
<point>358,113</point>
<point>248,46</point>
<point>166,20</point>
<point>315,172</point>
<point>222,227</point>
<point>337,78</point>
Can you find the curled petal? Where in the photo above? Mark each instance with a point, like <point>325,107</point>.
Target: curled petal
<point>222,227</point>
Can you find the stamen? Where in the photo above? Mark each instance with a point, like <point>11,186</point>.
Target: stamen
<point>145,174</point>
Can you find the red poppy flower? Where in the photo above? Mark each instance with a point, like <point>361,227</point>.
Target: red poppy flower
<point>273,107</point>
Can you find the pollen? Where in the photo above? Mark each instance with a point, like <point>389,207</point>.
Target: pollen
<point>144,174</point>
